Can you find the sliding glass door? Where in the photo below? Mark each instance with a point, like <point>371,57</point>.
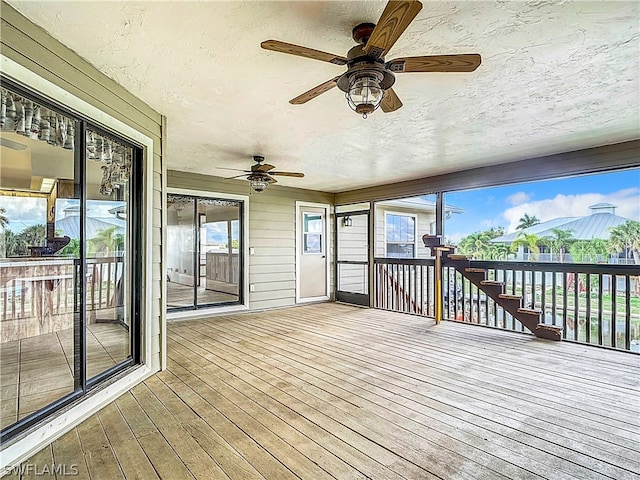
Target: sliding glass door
<point>204,252</point>
<point>70,228</point>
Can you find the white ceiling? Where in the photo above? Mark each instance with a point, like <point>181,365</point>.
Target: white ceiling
<point>555,76</point>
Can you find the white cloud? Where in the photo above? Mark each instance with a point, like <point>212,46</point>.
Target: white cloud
<point>24,212</point>
<point>627,202</point>
<point>518,198</point>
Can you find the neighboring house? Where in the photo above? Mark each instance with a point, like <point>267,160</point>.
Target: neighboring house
<point>596,225</point>
<point>70,224</point>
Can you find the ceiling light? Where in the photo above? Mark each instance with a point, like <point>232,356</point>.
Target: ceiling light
<point>259,183</point>
<point>47,185</point>
<point>365,93</point>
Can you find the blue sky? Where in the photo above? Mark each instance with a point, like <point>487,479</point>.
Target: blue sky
<point>504,206</point>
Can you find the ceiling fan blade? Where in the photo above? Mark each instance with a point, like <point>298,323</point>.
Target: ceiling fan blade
<point>315,91</point>
<point>390,101</point>
<point>393,22</point>
<point>436,63</point>
<point>292,49</point>
<point>263,167</point>
<point>288,174</point>
<point>271,179</point>
<point>237,176</point>
<point>235,169</point>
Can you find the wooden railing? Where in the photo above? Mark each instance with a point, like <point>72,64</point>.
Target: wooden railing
<point>38,296</point>
<point>597,304</point>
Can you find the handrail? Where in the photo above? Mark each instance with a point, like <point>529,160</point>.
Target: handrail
<point>592,303</point>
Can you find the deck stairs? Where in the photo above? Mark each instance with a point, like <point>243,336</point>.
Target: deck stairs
<point>530,318</point>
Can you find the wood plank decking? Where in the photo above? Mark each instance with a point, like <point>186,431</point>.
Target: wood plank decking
<point>336,392</point>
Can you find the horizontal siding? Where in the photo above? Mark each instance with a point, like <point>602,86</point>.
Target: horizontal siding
<point>35,49</point>
<point>423,225</point>
<point>31,47</point>
<point>272,233</point>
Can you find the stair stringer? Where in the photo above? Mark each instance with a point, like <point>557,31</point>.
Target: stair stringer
<point>531,319</point>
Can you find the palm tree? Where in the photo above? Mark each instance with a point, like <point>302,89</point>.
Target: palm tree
<point>3,218</point>
<point>14,244</point>
<point>35,235</point>
<point>526,221</point>
<point>626,236</point>
<point>106,241</point>
<point>529,241</point>
<point>559,242</point>
<point>479,244</point>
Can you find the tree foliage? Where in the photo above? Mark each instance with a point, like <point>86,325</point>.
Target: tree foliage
<point>626,236</point>
<point>479,245</point>
<point>107,241</point>
<point>559,242</point>
<point>527,221</point>
<point>3,217</point>
<point>17,244</point>
<point>529,241</point>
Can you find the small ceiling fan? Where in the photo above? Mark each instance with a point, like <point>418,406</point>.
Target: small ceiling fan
<point>368,80</point>
<point>261,174</point>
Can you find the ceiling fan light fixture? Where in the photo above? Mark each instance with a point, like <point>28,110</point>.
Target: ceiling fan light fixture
<point>365,93</point>
<point>258,183</point>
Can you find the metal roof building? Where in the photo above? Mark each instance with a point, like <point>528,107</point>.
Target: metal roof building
<point>596,225</point>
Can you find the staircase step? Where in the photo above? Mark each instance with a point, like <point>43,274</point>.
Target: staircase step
<point>491,283</point>
<point>459,256</point>
<point>551,332</point>
<point>508,296</point>
<point>475,270</point>
<point>530,311</point>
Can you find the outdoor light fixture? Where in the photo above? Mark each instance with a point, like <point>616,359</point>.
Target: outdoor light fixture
<point>259,183</point>
<point>347,221</point>
<point>365,93</point>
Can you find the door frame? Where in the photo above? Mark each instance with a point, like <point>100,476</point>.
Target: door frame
<point>300,206</point>
<point>244,267</point>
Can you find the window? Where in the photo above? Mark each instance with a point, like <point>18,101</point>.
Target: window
<point>204,252</point>
<point>312,231</point>
<point>400,235</point>
<point>70,222</point>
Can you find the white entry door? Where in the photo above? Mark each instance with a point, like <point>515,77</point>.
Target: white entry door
<point>312,266</point>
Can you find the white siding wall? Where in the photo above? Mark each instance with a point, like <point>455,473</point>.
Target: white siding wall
<point>272,234</point>
<point>32,50</point>
<point>423,225</point>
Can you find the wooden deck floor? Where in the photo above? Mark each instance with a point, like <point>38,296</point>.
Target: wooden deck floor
<point>336,392</point>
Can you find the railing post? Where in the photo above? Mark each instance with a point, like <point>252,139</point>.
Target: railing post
<point>438,286</point>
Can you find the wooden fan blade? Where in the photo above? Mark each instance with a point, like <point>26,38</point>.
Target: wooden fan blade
<point>237,176</point>
<point>436,63</point>
<point>292,49</point>
<point>271,179</point>
<point>390,101</point>
<point>235,169</point>
<point>288,174</point>
<point>393,22</point>
<point>263,167</point>
<point>315,91</point>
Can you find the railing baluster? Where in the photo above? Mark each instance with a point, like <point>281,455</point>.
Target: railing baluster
<point>627,315</point>
<point>588,308</point>
<point>576,304</point>
<point>565,287</point>
<point>614,308</point>
<point>600,292</point>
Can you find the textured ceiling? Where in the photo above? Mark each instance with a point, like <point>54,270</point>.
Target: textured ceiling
<point>555,76</point>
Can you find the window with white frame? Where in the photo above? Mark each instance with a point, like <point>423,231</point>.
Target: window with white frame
<point>400,235</point>
<point>313,230</point>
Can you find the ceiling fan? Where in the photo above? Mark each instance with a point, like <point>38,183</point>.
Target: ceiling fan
<point>368,80</point>
<point>261,174</point>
